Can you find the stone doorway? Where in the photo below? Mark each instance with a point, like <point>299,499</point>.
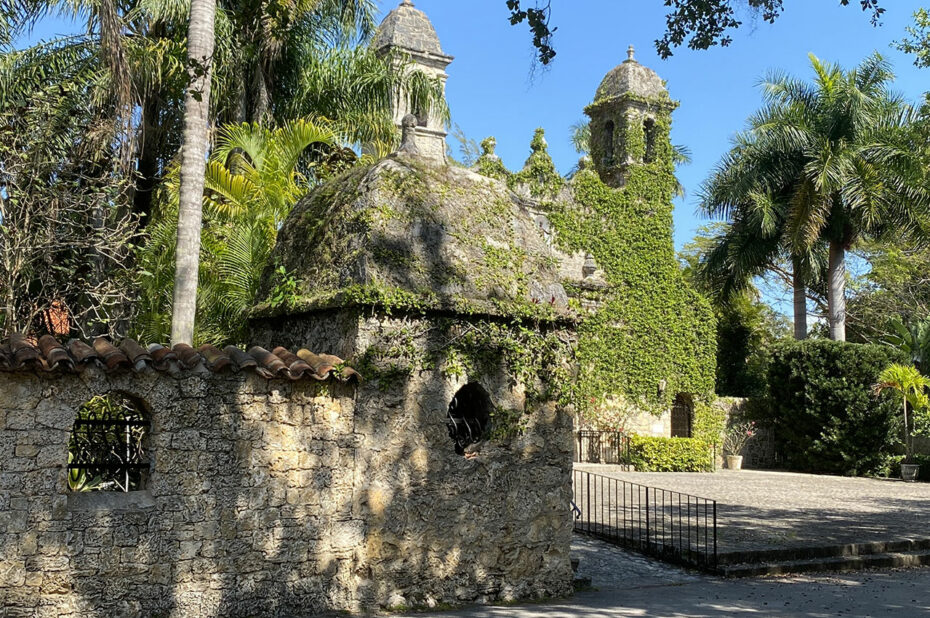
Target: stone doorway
<point>682,416</point>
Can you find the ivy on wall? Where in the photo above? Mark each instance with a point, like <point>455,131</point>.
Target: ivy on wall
<point>653,335</point>
<point>539,173</point>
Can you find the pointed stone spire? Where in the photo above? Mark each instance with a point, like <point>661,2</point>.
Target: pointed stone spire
<point>489,164</point>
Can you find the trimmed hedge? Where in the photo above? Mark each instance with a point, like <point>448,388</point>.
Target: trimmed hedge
<point>822,408</point>
<point>670,455</point>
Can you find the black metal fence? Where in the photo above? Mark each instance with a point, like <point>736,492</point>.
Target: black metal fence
<point>669,525</point>
<point>607,447</point>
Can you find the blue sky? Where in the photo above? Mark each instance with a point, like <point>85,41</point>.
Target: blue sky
<point>491,90</point>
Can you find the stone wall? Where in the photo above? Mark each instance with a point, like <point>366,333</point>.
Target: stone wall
<point>279,498</point>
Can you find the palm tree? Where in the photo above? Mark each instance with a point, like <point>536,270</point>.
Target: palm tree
<point>912,386</point>
<point>314,62</point>
<point>754,242</point>
<point>253,179</point>
<point>841,156</point>
<point>862,173</point>
<point>913,339</point>
<point>200,45</point>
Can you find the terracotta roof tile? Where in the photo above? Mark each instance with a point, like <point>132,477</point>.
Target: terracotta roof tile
<point>217,360</point>
<point>47,355</point>
<point>240,358</point>
<point>110,355</point>
<point>56,356</point>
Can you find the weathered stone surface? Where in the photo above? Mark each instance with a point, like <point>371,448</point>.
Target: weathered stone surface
<point>284,498</point>
<point>443,236</point>
<point>407,28</point>
<point>631,78</point>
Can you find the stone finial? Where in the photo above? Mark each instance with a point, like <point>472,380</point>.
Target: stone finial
<point>539,143</point>
<point>629,54</point>
<point>590,266</point>
<point>488,146</point>
<point>408,141</point>
<point>406,3</point>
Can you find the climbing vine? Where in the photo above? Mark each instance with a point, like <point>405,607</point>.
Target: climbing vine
<point>489,164</point>
<point>653,336</point>
<point>539,174</point>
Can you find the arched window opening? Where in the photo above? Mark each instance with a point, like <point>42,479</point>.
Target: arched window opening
<point>469,418</point>
<point>609,142</point>
<point>108,449</point>
<point>649,131</point>
<point>682,417</point>
<point>422,116</point>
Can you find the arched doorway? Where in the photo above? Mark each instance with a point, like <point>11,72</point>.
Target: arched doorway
<point>682,416</point>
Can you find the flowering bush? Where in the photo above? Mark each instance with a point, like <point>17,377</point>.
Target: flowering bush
<point>737,436</point>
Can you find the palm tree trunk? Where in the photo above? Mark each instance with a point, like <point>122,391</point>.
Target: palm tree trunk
<point>800,301</point>
<point>200,42</point>
<point>148,170</point>
<point>836,293</point>
<point>261,96</point>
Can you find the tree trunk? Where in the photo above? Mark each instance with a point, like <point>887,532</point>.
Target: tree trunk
<point>148,170</point>
<point>800,301</point>
<point>200,43</point>
<point>261,97</point>
<point>836,293</point>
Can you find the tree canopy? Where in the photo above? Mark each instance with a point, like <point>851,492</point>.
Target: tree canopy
<point>700,24</point>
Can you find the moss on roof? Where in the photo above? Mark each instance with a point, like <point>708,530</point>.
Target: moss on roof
<point>408,234</point>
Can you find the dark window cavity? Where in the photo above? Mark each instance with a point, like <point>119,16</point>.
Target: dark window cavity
<point>108,450</point>
<point>609,142</point>
<point>649,130</point>
<point>469,419</point>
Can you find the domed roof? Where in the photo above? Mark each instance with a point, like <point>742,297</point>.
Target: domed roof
<point>435,237</point>
<point>408,28</point>
<point>631,77</point>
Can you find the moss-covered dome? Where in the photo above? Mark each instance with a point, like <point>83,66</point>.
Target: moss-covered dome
<point>631,78</point>
<point>404,233</point>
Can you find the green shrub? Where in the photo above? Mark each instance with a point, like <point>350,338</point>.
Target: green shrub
<point>710,422</point>
<point>670,455</point>
<point>825,417</point>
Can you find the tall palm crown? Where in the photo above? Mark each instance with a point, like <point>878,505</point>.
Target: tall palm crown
<point>749,190</point>
<point>842,161</point>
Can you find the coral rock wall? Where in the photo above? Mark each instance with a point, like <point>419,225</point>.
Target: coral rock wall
<point>277,498</point>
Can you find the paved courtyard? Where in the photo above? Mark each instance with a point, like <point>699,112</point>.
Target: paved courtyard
<point>762,510</point>
<point>627,584</point>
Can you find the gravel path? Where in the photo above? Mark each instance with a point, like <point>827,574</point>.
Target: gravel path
<point>763,510</point>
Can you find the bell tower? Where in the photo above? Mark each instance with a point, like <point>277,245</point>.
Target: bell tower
<point>409,31</point>
<point>630,118</point>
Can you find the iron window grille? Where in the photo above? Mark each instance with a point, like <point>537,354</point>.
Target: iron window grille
<point>108,449</point>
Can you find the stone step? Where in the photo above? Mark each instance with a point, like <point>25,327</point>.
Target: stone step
<point>836,563</point>
<point>823,551</point>
<point>582,583</point>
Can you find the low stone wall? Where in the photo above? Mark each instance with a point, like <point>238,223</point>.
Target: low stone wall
<point>276,498</point>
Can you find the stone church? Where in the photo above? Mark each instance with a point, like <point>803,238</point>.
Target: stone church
<point>400,433</point>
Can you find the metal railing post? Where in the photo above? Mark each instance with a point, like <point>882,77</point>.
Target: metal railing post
<point>647,518</point>
<point>715,535</point>
<point>587,500</point>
